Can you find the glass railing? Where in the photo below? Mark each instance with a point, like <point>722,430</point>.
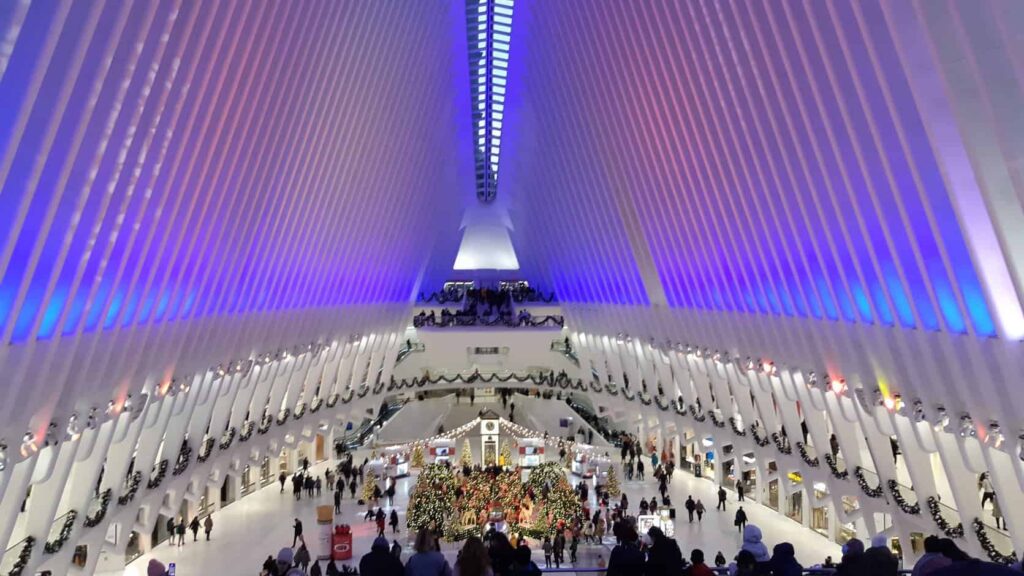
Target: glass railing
<point>565,348</point>
<point>409,348</point>
<point>17,555</point>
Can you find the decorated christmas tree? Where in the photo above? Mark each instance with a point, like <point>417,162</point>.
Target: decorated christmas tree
<point>368,485</point>
<point>611,485</point>
<point>506,454</point>
<point>433,498</point>
<point>417,457</point>
<point>466,458</point>
<point>558,502</point>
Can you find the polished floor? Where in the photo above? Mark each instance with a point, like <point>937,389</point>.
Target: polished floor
<point>247,531</point>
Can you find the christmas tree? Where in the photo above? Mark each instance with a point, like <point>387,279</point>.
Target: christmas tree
<point>368,485</point>
<point>433,498</point>
<point>417,457</point>
<point>611,485</point>
<point>466,458</point>
<point>506,454</point>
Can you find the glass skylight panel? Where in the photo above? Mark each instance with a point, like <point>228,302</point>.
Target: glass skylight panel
<point>489,29</point>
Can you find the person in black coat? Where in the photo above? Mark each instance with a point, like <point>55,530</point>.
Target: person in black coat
<point>626,558</point>
<point>664,557</point>
<point>379,561</point>
<point>337,501</point>
<point>691,507</point>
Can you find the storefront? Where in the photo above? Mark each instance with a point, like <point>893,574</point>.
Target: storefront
<point>442,450</point>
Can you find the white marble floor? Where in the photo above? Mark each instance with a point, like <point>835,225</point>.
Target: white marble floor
<point>249,530</point>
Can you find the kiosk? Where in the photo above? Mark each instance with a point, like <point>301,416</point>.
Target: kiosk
<point>442,450</point>
<point>531,452</point>
<point>397,460</point>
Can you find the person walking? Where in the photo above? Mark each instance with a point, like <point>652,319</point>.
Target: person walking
<point>639,469</point>
<point>394,521</point>
<point>574,545</point>
<point>297,531</point>
<point>380,522</point>
<point>337,501</point>
<point>208,526</point>
<point>691,507</point>
<point>281,478</point>
<point>352,487</point>
<point>170,530</point>
<point>548,548</point>
<point>181,532</point>
<point>721,498</point>
<point>194,527</point>
<point>988,492</point>
<point>997,514</point>
<point>741,519</point>
<point>739,489</point>
<point>318,486</point>
<point>700,510</point>
<point>390,492</point>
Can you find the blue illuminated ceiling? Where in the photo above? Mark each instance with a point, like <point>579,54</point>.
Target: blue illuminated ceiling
<point>168,161</point>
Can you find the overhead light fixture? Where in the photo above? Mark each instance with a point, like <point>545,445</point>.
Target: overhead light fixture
<point>3,455</point>
<point>74,426</point>
<point>128,404</point>
<point>967,428</point>
<point>919,413</point>
<point>28,445</point>
<point>941,418</point>
<point>751,365</point>
<point>51,435</point>
<point>1020,451</point>
<point>812,379</point>
<point>90,421</point>
<point>837,386</point>
<point>111,408</point>
<point>995,434</point>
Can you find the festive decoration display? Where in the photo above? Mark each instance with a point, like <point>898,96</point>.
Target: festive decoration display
<point>833,465</point>
<point>133,487</point>
<point>54,546</point>
<point>248,427</point>
<point>761,441</point>
<point>265,423</point>
<point>936,511</point>
<point>422,320</point>
<point>989,548</point>
<point>184,458</point>
<point>282,416</point>
<point>369,484</point>
<point>417,460</point>
<point>205,449</point>
<point>100,514</point>
<point>870,492</point>
<point>227,438</point>
<point>805,456</point>
<point>736,428</point>
<point>611,484</point>
<point>716,420</point>
<point>158,477</point>
<point>901,502</point>
<point>782,443</point>
<point>461,506</point>
<point>23,556</point>
<point>431,501</point>
<point>466,457</point>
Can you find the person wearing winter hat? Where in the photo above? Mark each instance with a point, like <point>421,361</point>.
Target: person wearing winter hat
<point>752,543</point>
<point>879,559</point>
<point>156,568</point>
<point>285,563</point>
<point>379,560</point>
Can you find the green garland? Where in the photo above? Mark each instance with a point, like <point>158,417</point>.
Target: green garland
<point>65,533</point>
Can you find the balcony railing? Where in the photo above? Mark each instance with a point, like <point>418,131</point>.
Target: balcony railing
<point>409,348</point>
<point>565,348</point>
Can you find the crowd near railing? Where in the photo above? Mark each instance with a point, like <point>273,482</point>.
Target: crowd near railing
<point>449,319</point>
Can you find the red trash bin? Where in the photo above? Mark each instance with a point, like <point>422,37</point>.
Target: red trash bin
<point>341,543</point>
